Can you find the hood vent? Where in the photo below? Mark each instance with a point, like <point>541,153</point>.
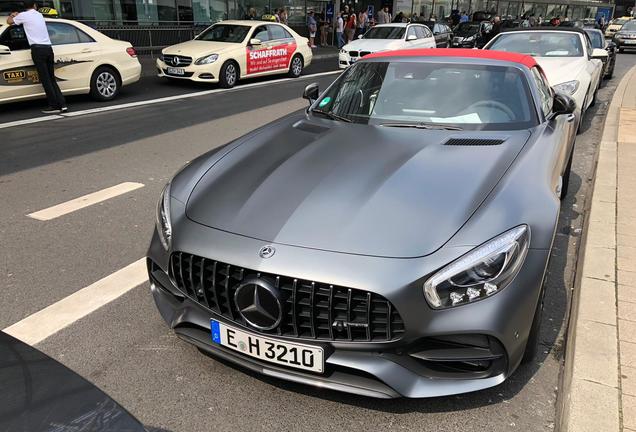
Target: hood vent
<point>473,142</point>
<point>309,127</point>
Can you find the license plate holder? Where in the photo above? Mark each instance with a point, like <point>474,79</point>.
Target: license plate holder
<point>176,71</point>
<point>290,354</point>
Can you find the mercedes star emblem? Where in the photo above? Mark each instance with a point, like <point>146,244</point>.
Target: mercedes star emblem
<point>259,304</point>
<point>267,251</point>
<point>175,61</point>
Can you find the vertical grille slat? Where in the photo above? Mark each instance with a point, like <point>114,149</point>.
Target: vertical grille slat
<point>311,310</point>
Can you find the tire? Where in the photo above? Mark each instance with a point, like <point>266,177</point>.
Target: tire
<point>229,74</point>
<point>532,345</point>
<point>295,66</point>
<point>565,182</point>
<point>105,84</point>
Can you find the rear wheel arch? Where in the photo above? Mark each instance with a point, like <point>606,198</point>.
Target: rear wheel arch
<point>104,67</point>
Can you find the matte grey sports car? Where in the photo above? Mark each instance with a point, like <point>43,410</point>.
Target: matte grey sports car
<point>391,240</point>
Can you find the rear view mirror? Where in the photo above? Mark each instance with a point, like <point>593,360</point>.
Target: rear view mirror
<point>411,38</point>
<point>4,50</point>
<point>311,92</point>
<point>255,41</point>
<point>599,53</point>
<point>563,104</point>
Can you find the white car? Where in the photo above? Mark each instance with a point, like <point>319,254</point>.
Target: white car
<point>386,37</point>
<point>86,61</point>
<point>566,56</point>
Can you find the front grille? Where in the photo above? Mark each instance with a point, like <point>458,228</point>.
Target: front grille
<point>183,61</point>
<point>311,310</point>
<point>472,142</point>
<point>363,53</point>
<point>353,53</point>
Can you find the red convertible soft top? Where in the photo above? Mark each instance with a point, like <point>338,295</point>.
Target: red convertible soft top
<point>525,60</point>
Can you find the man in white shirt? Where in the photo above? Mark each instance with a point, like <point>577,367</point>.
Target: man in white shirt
<point>339,30</point>
<point>41,52</point>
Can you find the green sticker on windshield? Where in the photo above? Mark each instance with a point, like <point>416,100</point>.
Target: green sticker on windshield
<point>324,102</point>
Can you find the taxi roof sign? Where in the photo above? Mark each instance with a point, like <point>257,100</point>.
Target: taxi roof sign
<point>48,12</point>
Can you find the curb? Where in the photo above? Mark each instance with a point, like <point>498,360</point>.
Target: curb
<point>590,387</point>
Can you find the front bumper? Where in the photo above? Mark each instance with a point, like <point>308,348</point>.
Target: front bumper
<point>402,367</point>
<point>200,73</point>
<point>625,43</point>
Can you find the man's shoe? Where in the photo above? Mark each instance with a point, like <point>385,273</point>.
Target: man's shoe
<point>63,109</point>
<point>50,110</point>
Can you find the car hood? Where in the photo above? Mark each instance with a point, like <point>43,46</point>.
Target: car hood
<point>197,48</point>
<point>562,69</point>
<point>373,45</point>
<point>357,189</point>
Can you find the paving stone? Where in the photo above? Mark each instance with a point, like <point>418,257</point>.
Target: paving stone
<point>603,212</point>
<point>597,302</point>
<point>627,331</point>
<point>627,353</point>
<point>601,234</point>
<point>604,192</point>
<point>596,346</point>
<point>626,259</point>
<point>593,407</point>
<point>627,311</point>
<point>629,411</point>
<point>599,263</point>
<point>628,380</point>
<point>627,278</point>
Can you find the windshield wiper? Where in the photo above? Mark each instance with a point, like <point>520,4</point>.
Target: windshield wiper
<point>421,126</point>
<point>331,115</point>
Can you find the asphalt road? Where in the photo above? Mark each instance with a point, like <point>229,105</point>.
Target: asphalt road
<point>126,349</point>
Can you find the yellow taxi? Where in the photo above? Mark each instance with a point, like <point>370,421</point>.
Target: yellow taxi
<point>615,25</point>
<point>86,61</point>
<point>231,50</point>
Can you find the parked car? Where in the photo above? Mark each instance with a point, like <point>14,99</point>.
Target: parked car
<point>625,38</point>
<point>338,247</point>
<point>565,54</point>
<point>229,51</point>
<point>383,37</point>
<point>41,395</point>
<point>442,32</point>
<point>599,41</point>
<point>86,61</point>
<point>615,25</point>
<point>471,34</point>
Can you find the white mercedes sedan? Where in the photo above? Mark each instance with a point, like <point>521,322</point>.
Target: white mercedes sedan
<point>566,56</point>
<point>386,37</point>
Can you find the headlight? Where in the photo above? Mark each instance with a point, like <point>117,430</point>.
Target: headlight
<point>569,87</point>
<point>164,225</point>
<point>207,59</point>
<point>480,273</point>
<point>470,38</point>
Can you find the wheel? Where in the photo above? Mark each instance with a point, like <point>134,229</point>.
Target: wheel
<point>296,67</point>
<point>229,74</point>
<point>565,182</point>
<point>105,84</point>
<point>532,345</point>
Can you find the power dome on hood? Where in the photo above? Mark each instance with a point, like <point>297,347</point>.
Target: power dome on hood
<point>354,189</point>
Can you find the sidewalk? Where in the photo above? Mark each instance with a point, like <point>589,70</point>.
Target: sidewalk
<point>599,383</point>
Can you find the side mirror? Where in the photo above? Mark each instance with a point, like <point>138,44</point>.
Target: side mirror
<point>255,42</point>
<point>599,53</point>
<point>411,38</point>
<point>311,92</point>
<point>5,50</point>
<point>563,104</point>
<point>611,45</point>
<point>360,36</point>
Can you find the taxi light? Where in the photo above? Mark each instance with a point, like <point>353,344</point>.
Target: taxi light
<point>131,52</point>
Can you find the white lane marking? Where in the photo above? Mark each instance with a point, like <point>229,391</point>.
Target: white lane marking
<point>84,201</point>
<point>158,100</point>
<point>50,320</point>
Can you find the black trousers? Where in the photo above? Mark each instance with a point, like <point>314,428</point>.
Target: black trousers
<point>43,59</point>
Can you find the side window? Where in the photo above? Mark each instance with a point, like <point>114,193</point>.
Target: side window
<point>261,34</point>
<point>83,37</point>
<point>62,34</point>
<point>427,32</point>
<point>419,31</point>
<point>437,28</point>
<point>15,38</point>
<point>588,45</point>
<point>279,32</point>
<point>544,91</point>
<point>411,32</point>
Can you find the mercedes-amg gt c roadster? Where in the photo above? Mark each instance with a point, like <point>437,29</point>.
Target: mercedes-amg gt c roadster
<point>391,240</point>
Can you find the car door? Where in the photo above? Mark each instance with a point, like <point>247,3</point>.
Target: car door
<point>428,41</point>
<point>414,43</point>
<point>439,36</point>
<point>258,57</point>
<point>594,67</point>
<point>283,45</point>
<point>18,77</point>
<point>75,55</point>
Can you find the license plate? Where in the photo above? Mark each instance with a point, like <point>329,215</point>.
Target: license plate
<point>176,71</point>
<point>630,41</point>
<point>294,355</point>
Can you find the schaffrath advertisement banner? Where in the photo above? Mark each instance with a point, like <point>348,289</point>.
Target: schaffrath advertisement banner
<point>263,59</point>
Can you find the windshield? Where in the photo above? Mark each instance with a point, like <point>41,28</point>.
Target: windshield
<point>225,33</point>
<point>597,39</point>
<point>467,29</point>
<point>385,33</point>
<point>540,44</point>
<point>432,95</point>
<point>630,25</point>
<point>620,21</point>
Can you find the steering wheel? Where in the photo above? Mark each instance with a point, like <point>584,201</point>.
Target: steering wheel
<point>494,104</point>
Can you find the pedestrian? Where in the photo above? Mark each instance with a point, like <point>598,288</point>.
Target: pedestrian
<point>399,18</point>
<point>363,21</point>
<point>283,16</point>
<point>339,30</point>
<point>345,14</point>
<point>324,31</point>
<point>464,17</point>
<point>41,52</point>
<point>532,20</point>
<point>350,27</point>
<point>312,27</point>
<point>384,17</point>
